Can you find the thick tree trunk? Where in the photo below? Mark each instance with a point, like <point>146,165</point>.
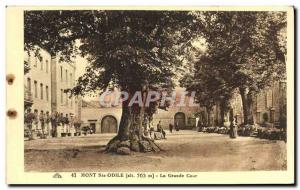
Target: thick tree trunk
<point>131,136</point>
<point>247,102</point>
<point>208,117</point>
<point>131,122</point>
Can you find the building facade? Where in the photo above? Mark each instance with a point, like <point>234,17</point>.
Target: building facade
<point>100,119</point>
<point>270,101</point>
<point>107,119</point>
<point>63,78</point>
<point>45,83</point>
<point>38,82</point>
<point>185,115</point>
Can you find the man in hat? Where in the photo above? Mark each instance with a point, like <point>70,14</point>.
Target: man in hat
<point>54,120</point>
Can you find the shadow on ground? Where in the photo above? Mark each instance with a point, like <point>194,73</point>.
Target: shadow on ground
<point>184,151</point>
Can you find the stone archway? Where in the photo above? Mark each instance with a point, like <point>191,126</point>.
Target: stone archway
<point>109,124</point>
<point>179,119</point>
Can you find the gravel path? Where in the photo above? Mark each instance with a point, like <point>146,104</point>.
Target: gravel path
<point>184,151</point>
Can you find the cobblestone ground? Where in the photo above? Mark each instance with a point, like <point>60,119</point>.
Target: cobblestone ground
<point>184,151</point>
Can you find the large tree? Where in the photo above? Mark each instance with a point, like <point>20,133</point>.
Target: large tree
<point>210,88</point>
<point>247,50</point>
<point>135,51</point>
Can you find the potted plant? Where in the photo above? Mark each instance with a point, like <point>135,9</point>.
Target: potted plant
<point>85,130</point>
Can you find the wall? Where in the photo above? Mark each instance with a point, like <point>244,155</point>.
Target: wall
<point>40,71</point>
<point>270,101</point>
<point>64,79</point>
<point>91,111</point>
<point>167,117</point>
<point>95,115</point>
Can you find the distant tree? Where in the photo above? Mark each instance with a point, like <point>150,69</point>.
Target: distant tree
<point>131,50</point>
<point>205,80</point>
<point>248,50</point>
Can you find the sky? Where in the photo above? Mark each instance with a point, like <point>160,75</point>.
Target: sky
<point>80,64</point>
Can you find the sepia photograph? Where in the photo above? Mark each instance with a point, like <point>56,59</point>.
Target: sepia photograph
<point>134,90</point>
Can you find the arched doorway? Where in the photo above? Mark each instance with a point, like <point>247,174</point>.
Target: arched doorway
<point>109,124</point>
<point>179,119</point>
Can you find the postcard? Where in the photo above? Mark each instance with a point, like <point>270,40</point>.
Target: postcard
<point>150,95</point>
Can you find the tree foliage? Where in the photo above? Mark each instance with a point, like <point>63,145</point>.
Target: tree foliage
<point>248,48</point>
<point>244,50</point>
<point>124,48</point>
<point>129,50</point>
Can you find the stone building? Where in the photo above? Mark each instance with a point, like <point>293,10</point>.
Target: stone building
<point>45,82</point>
<point>63,78</point>
<point>107,119</point>
<point>185,116</point>
<point>101,119</point>
<point>37,92</point>
<point>270,101</point>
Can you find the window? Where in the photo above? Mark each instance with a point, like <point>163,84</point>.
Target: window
<point>71,102</point>
<point>42,63</point>
<point>66,76</point>
<point>61,73</point>
<point>61,96</point>
<point>35,89</point>
<point>93,127</point>
<point>42,95</point>
<point>47,93</point>
<point>29,84</point>
<point>47,66</point>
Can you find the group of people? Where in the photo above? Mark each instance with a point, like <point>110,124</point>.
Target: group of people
<point>151,133</point>
<point>48,124</point>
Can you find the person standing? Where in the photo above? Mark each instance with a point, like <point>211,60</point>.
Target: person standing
<point>71,120</point>
<point>161,130</point>
<point>54,119</point>
<point>67,123</point>
<point>62,122</point>
<point>47,122</point>
<point>77,124</point>
<point>200,125</point>
<point>170,127</point>
<point>29,118</point>
<point>233,128</point>
<point>42,121</point>
<point>36,119</point>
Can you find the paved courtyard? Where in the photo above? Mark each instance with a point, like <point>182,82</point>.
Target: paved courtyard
<point>184,151</point>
